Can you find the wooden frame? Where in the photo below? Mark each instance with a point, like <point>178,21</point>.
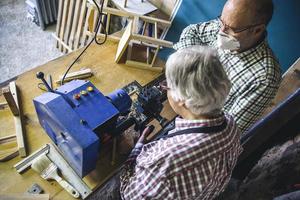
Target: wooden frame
<point>10,94</point>
<point>70,24</point>
<point>131,36</point>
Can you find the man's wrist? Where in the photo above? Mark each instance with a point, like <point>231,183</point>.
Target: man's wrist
<point>138,145</point>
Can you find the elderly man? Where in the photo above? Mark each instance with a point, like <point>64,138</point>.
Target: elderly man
<point>195,160</point>
<point>239,35</point>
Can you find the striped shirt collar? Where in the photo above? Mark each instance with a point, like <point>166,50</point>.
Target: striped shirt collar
<point>182,124</point>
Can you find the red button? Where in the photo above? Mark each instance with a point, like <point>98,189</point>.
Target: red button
<point>76,96</point>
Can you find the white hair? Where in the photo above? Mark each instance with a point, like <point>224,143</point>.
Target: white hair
<point>196,76</point>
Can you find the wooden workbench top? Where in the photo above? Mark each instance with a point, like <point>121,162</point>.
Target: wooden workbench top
<point>108,76</point>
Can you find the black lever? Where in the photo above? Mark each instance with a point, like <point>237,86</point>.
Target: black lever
<point>40,75</point>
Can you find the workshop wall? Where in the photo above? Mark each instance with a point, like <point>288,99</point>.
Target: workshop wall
<point>283,31</point>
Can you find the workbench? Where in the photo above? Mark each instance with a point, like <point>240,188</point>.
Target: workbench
<point>107,77</point>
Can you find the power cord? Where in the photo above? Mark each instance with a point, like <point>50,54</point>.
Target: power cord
<point>100,10</point>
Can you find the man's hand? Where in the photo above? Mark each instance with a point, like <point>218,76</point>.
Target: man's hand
<point>145,134</point>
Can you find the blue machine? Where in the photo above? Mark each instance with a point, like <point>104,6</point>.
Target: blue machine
<point>75,115</point>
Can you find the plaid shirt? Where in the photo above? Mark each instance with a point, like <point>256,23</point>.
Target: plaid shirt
<point>187,166</point>
<point>255,73</point>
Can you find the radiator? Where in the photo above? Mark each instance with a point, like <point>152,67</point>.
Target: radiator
<point>42,12</point>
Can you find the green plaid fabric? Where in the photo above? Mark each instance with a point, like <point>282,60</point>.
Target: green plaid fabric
<point>255,74</point>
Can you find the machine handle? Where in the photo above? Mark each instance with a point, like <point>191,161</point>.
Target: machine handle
<point>40,75</point>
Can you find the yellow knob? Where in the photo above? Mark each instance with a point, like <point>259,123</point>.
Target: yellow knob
<point>90,89</point>
<point>83,92</point>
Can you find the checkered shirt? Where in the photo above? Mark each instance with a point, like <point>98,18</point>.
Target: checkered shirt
<point>187,166</point>
<point>255,73</point>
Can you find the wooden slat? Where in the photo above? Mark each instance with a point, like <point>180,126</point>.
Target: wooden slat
<point>62,43</point>
<point>24,196</point>
<point>86,26</point>
<point>159,42</point>
<point>8,154</point>
<point>124,42</point>
<point>74,24</point>
<point>80,24</point>
<point>154,57</point>
<point>155,30</point>
<point>69,22</point>
<point>107,23</point>
<point>3,105</point>
<point>135,25</point>
<point>141,65</point>
<point>103,17</point>
<point>121,13</point>
<point>59,19</point>
<point>101,36</point>
<point>18,122</point>
<point>7,138</point>
<point>93,27</point>
<point>10,100</point>
<point>157,20</point>
<point>63,23</point>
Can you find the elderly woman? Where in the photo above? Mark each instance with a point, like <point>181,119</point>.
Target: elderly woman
<point>195,160</point>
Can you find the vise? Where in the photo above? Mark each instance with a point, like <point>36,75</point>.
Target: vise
<point>75,115</point>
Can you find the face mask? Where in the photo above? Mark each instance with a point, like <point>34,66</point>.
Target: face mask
<point>227,42</point>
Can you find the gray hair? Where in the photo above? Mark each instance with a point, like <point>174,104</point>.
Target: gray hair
<point>196,76</point>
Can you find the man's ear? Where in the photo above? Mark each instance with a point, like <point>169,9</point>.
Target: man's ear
<point>181,103</point>
<point>259,29</point>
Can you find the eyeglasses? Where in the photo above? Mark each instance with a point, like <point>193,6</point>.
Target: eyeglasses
<point>164,86</point>
<point>235,30</point>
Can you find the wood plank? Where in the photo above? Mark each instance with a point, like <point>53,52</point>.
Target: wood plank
<point>3,104</point>
<point>7,138</point>
<point>135,6</point>
<point>78,73</point>
<point>135,24</point>
<point>155,56</point>
<point>111,38</point>
<point>151,40</point>
<point>155,30</point>
<point>18,121</point>
<point>124,42</point>
<point>86,73</point>
<point>93,25</point>
<point>103,17</point>
<point>24,196</point>
<point>69,23</point>
<point>107,23</point>
<point>7,93</point>
<point>62,43</point>
<point>121,13</point>
<point>86,28</point>
<point>153,20</point>
<point>143,66</point>
<point>63,23</point>
<point>8,154</point>
<point>74,24</point>
<point>59,19</point>
<point>80,24</point>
